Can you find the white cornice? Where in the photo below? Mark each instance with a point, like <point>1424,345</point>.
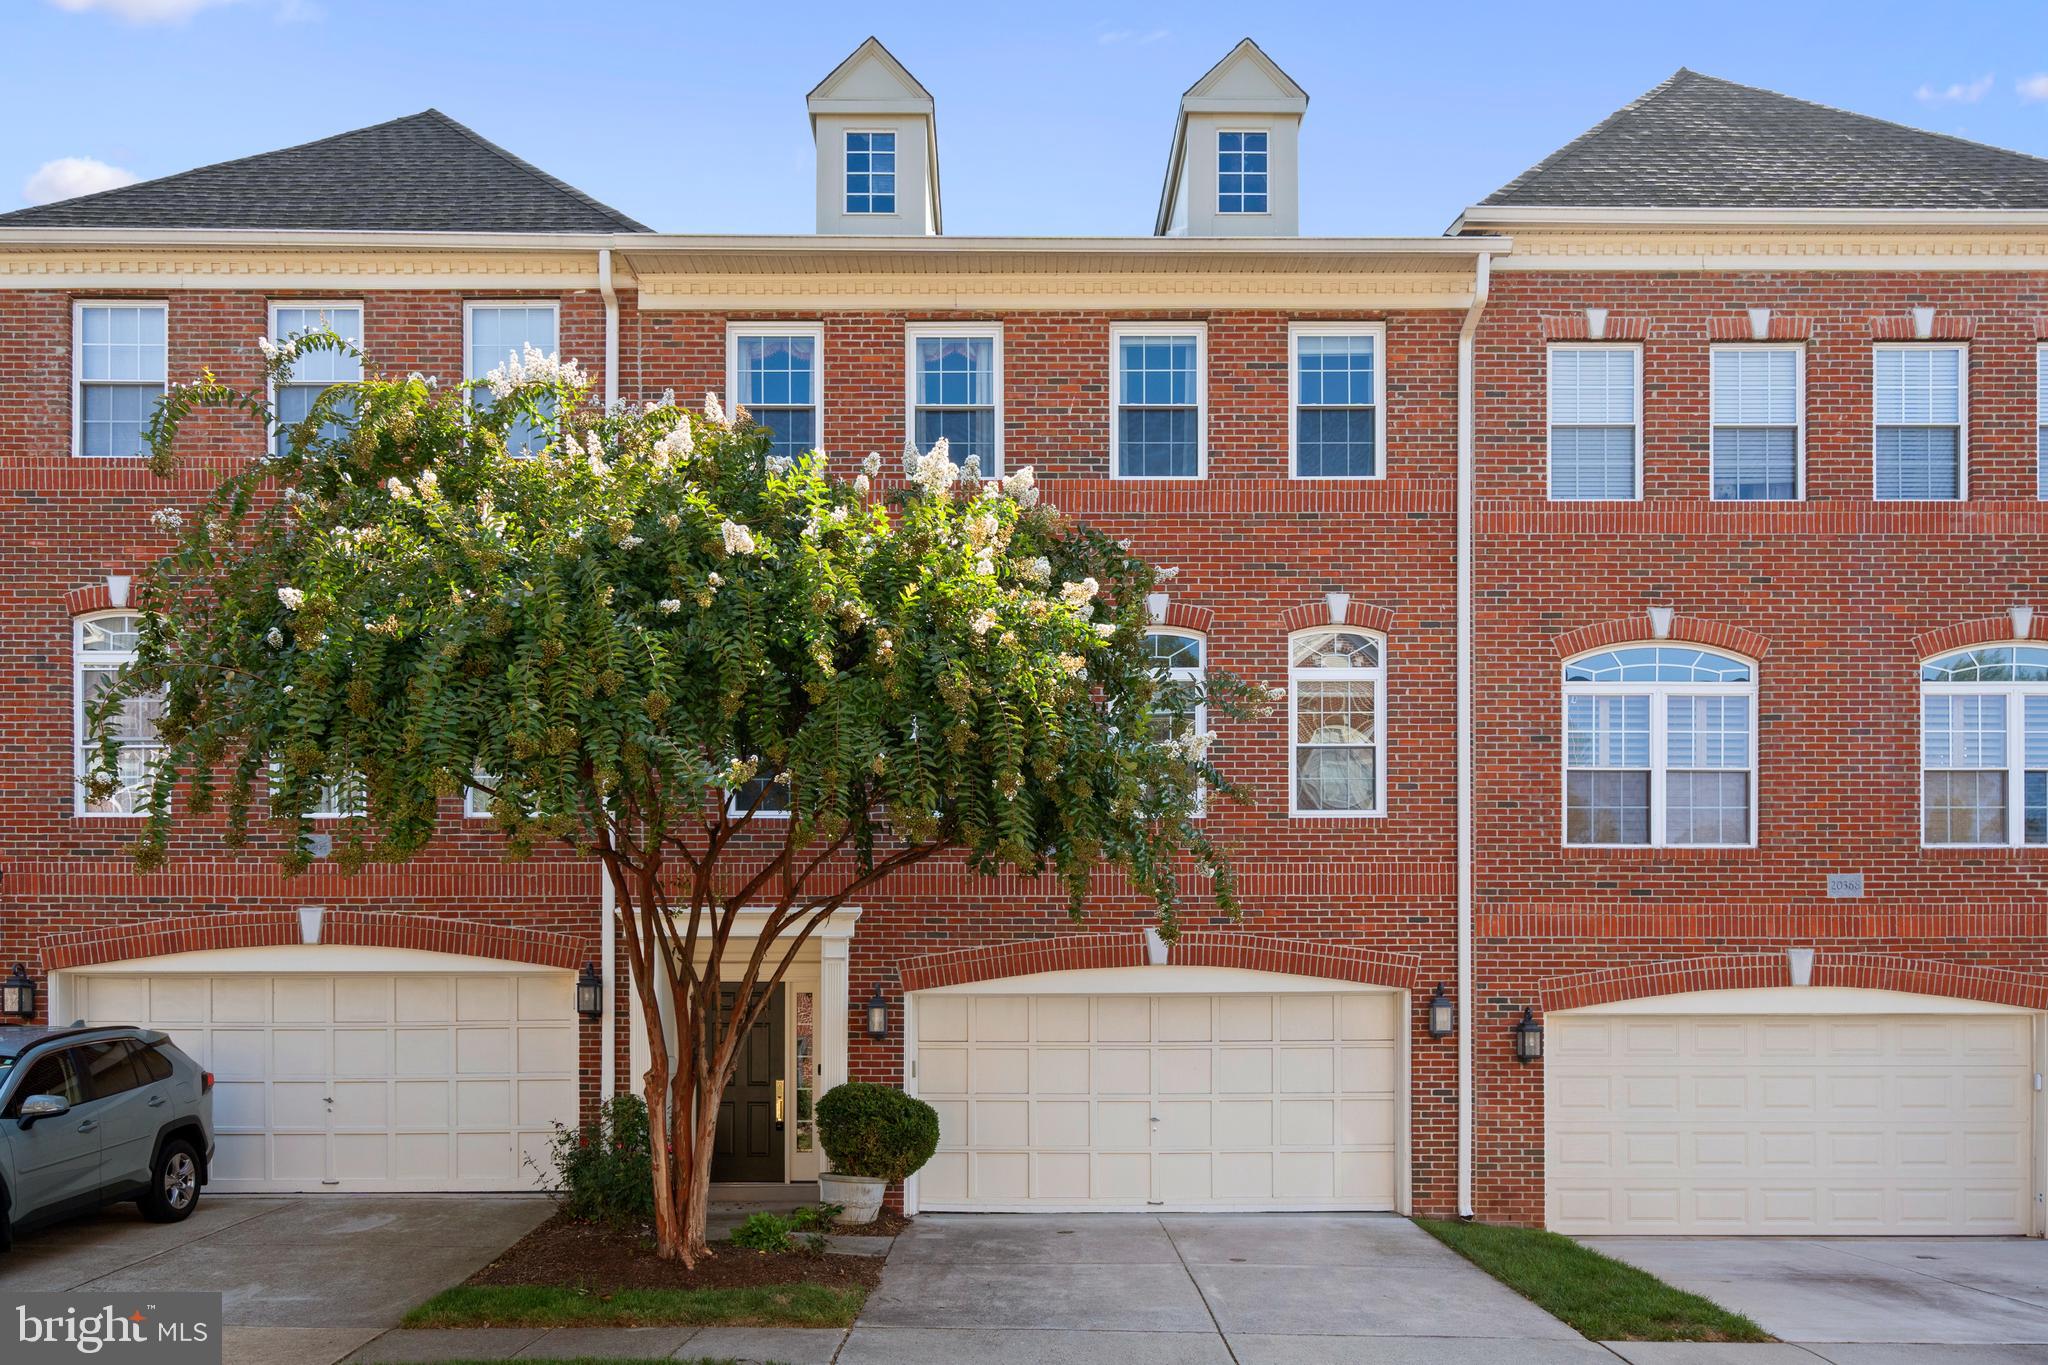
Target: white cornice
<point>282,267</point>
<point>1955,246</point>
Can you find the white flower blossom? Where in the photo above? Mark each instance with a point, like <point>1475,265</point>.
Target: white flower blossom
<point>274,638</point>
<point>1079,594</point>
<point>534,366</point>
<point>738,539</point>
<point>714,412</point>
<point>985,563</point>
<point>668,606</point>
<point>395,486</point>
<point>934,471</point>
<point>1073,665</point>
<point>1022,487</point>
<point>984,621</point>
<point>741,771</point>
<point>872,465</point>
<point>1105,628</point>
<point>779,464</point>
<point>270,349</point>
<point>861,486</point>
<point>1166,575</point>
<point>595,451</point>
<point>1037,571</point>
<point>292,598</point>
<point>677,443</point>
<point>168,519</point>
<point>715,579</point>
<point>630,542</point>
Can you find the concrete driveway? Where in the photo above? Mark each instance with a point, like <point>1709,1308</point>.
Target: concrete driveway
<point>1260,1289</point>
<point>1868,1300</point>
<point>300,1279</point>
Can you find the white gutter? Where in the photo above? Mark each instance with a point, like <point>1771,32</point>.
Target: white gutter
<point>608,1026</point>
<point>1482,278</point>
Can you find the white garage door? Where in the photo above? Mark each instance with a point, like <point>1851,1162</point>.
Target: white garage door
<point>1906,1124</point>
<point>1174,1101</point>
<point>366,1082</point>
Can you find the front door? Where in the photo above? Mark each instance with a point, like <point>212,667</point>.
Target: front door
<point>750,1116</point>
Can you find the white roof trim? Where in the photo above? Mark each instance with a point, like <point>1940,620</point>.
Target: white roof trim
<point>1291,99</point>
<point>915,100</point>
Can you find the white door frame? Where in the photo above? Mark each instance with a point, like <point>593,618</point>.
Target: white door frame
<point>1164,979</point>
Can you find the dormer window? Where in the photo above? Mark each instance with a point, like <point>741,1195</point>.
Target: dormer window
<point>871,172</point>
<point>1240,172</point>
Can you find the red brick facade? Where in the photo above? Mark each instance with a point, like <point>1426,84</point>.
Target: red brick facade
<point>1836,598</point>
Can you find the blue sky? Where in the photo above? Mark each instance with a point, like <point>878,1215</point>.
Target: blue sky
<point>1053,117</point>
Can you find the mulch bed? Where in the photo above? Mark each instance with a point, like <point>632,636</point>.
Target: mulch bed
<point>565,1253</point>
<point>886,1224</point>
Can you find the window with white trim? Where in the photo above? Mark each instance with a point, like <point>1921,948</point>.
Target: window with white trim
<point>871,172</point>
<point>1984,746</point>
<point>1336,703</point>
<point>1596,426</point>
<point>956,391</point>
<point>773,372</point>
<point>1920,397</point>
<point>101,644</point>
<point>770,789</point>
<point>1179,659</point>
<point>1241,172</point>
<point>2041,421</point>
<point>120,365</point>
<point>1660,748</point>
<point>1339,421</point>
<point>1157,419</point>
<point>1759,436</point>
<point>342,800</point>
<point>499,332</point>
<point>293,393</point>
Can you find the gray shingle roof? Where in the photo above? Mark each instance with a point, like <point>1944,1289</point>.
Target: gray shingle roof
<point>1699,142</point>
<point>421,173</point>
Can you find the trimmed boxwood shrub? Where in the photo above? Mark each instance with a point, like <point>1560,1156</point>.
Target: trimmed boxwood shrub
<point>876,1131</point>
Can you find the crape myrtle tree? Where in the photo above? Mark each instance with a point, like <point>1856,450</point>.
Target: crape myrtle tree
<point>634,630</point>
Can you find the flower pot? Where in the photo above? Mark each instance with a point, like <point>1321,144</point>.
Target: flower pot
<point>860,1196</point>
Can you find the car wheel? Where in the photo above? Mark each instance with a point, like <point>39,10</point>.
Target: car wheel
<point>173,1184</point>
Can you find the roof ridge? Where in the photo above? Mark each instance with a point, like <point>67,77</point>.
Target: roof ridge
<point>562,186</point>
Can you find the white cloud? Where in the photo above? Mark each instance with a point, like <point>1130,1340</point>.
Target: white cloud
<point>1962,92</point>
<point>70,176</point>
<point>142,11</point>
<point>2034,87</point>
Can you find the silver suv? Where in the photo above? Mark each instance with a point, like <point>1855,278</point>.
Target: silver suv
<point>92,1116</point>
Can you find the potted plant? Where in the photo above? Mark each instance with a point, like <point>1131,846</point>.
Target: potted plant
<point>872,1134</point>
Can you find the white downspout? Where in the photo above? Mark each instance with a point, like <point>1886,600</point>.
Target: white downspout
<point>1482,279</point>
<point>608,1023</point>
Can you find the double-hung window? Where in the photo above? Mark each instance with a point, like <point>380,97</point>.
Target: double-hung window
<point>773,372</point>
<point>1339,421</point>
<point>120,365</point>
<point>1241,172</point>
<point>101,644</point>
<point>1660,748</point>
<point>1179,659</point>
<point>1336,703</point>
<point>1596,426</point>
<point>294,392</point>
<point>1759,423</point>
<point>1921,401</point>
<point>871,172</point>
<point>1984,746</point>
<point>956,391</point>
<point>500,332</point>
<point>1157,417</point>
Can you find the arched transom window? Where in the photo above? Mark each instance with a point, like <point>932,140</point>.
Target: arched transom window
<point>1336,695</point>
<point>1984,746</point>
<point>101,644</point>
<point>1660,748</point>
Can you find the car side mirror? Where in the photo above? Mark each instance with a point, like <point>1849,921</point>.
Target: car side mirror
<point>42,1107</point>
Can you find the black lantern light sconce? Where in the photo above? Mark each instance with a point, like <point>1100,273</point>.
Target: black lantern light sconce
<point>1528,1037</point>
<point>1443,1014</point>
<point>18,994</point>
<point>878,1014</point>
<point>590,992</point>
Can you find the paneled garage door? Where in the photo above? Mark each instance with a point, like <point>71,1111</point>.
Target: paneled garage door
<point>367,1082</point>
<point>1856,1124</point>
<point>1175,1101</point>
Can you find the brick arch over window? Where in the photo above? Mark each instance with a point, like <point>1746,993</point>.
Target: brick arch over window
<point>84,601</point>
<point>1201,948</point>
<point>1752,971</point>
<point>1309,615</point>
<point>1985,630</point>
<point>1635,630</point>
<point>1187,616</point>
<point>280,928</point>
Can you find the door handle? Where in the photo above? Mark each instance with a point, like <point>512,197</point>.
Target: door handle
<point>778,1104</point>
<point>156,1101</point>
<point>89,1125</point>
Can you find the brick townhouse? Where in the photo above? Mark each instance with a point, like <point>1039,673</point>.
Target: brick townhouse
<point>1650,831</point>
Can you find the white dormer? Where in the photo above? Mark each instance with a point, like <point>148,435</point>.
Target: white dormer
<point>1235,161</point>
<point>878,148</point>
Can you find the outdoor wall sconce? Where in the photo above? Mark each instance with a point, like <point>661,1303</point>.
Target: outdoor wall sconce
<point>18,994</point>
<point>1528,1037</point>
<point>878,1014</point>
<point>590,992</point>
<point>1443,1014</point>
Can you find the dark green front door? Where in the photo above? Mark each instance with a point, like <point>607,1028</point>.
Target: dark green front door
<point>750,1117</point>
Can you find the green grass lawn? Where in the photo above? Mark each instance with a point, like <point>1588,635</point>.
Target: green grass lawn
<point>523,1305</point>
<point>1600,1296</point>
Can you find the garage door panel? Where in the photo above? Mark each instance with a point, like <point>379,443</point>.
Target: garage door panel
<point>1864,1125</point>
<point>366,1081</point>
<point>1195,1101</point>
